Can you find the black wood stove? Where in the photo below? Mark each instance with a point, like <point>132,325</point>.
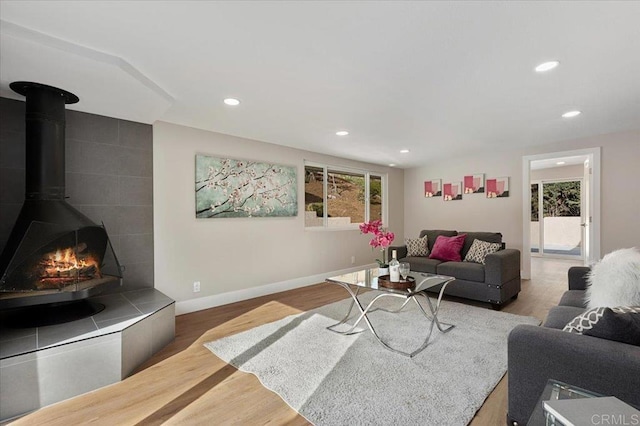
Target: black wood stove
<point>55,255</point>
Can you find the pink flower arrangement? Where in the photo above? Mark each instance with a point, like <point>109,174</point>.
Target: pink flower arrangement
<point>381,238</point>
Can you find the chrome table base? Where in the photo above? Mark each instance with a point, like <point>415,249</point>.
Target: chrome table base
<point>408,297</point>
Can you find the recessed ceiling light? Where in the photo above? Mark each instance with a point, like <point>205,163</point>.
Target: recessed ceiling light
<point>392,165</point>
<point>232,101</point>
<point>404,151</point>
<point>571,114</point>
<point>546,66</point>
<point>561,163</point>
<point>342,133</point>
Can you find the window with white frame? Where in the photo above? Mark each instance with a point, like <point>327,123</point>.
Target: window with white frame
<point>337,197</point>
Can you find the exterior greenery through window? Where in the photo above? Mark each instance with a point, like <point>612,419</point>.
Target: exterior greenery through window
<point>341,198</point>
<point>559,199</point>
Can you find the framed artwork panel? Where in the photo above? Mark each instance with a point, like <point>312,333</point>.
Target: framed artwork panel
<point>432,188</point>
<point>474,184</point>
<point>452,191</point>
<point>227,187</point>
<point>498,187</point>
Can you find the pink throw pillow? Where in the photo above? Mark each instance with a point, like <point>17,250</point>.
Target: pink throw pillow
<point>448,248</point>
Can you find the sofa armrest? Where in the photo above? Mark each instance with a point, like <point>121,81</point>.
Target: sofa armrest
<point>536,354</point>
<point>401,251</point>
<point>577,277</point>
<point>502,266</point>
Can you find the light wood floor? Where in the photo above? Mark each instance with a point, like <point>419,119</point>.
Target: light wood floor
<point>186,384</point>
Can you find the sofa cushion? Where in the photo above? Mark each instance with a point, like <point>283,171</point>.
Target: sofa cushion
<point>573,298</point>
<point>462,270</point>
<point>422,264</point>
<point>618,325</point>
<point>417,246</point>
<point>490,237</point>
<point>577,276</point>
<point>479,250</point>
<point>559,316</point>
<point>448,248</point>
<point>621,324</point>
<point>432,234</point>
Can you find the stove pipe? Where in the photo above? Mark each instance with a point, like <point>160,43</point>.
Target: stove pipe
<point>45,164</point>
<point>45,139</point>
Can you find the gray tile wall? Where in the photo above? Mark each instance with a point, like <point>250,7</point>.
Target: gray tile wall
<point>109,178</point>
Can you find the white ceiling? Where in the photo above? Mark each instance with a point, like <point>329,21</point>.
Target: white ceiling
<point>551,163</point>
<point>437,78</point>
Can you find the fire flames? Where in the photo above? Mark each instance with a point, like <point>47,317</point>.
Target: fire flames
<point>67,266</point>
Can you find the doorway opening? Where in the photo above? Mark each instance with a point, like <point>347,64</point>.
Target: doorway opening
<point>552,174</point>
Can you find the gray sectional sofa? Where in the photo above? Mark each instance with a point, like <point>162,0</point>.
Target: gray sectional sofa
<point>495,282</point>
<point>537,354</point>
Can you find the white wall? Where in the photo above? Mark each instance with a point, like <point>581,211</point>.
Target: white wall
<point>619,195</point>
<point>560,233</point>
<point>474,212</point>
<point>240,256</point>
<point>564,172</point>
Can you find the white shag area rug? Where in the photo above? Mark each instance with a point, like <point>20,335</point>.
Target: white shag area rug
<point>333,379</point>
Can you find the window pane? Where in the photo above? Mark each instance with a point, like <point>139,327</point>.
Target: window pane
<point>313,196</point>
<point>561,199</point>
<point>345,198</point>
<point>535,223</point>
<point>534,202</point>
<point>562,230</point>
<point>375,197</point>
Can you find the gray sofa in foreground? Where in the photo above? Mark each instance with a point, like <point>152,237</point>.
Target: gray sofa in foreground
<point>495,282</point>
<point>537,354</point>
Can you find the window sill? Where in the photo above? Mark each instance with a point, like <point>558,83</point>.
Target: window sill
<point>333,228</point>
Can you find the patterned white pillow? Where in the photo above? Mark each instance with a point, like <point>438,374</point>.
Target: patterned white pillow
<point>479,251</point>
<point>417,246</point>
<point>589,319</point>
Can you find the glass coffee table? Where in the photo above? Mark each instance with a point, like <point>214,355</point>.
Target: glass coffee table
<point>367,279</point>
<point>555,390</point>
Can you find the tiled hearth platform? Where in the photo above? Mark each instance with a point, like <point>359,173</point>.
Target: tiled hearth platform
<point>40,366</point>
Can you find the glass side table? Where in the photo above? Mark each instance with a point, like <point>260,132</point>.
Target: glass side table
<point>552,391</point>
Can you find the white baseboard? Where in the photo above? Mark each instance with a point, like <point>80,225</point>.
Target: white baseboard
<point>198,304</point>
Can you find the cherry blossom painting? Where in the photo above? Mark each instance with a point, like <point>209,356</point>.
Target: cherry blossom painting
<point>241,188</point>
<point>452,191</point>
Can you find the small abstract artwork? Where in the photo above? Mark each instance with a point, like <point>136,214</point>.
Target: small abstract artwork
<point>432,188</point>
<point>474,184</point>
<point>498,187</point>
<point>452,191</point>
<point>239,188</point>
